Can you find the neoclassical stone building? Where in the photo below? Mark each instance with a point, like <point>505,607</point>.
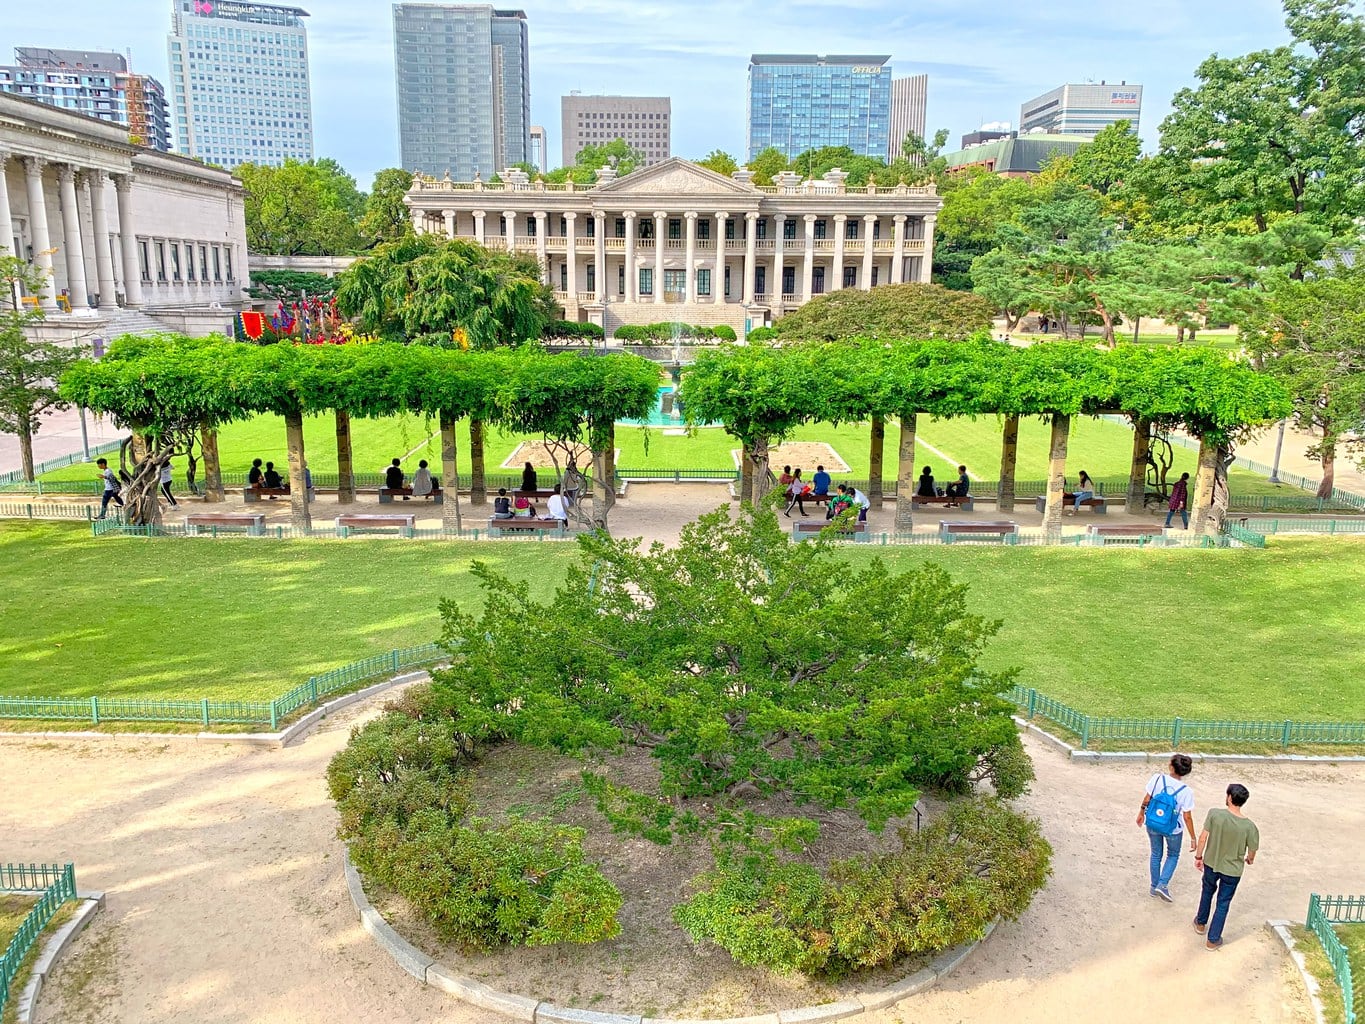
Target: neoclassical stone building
<point>118,227</point>
<point>679,242</point>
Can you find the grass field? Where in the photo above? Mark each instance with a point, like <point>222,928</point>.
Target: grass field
<point>1244,634</point>
<point>1353,937</point>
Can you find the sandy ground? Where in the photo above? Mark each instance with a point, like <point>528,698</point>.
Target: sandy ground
<point>226,901</point>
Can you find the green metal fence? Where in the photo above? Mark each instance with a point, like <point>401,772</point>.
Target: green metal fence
<point>208,713</point>
<point>1323,912</point>
<point>57,885</point>
<point>1304,524</point>
<point>44,510</point>
<point>75,458</point>
<point>1174,732</point>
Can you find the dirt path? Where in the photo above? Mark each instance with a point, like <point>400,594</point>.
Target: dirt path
<point>226,901</point>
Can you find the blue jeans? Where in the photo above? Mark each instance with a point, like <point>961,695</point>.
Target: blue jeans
<point>108,497</point>
<point>1083,496</point>
<point>1170,846</point>
<point>1225,886</point>
<point>1184,518</point>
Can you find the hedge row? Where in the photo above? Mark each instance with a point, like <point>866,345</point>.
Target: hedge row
<point>667,331</point>
<point>571,329</point>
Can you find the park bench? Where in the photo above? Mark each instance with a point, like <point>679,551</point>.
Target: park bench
<point>258,492</point>
<point>542,493</point>
<point>1102,533</point>
<point>964,502</point>
<point>405,524</point>
<point>525,524</point>
<point>803,528</point>
<point>387,494</point>
<point>1097,504</point>
<point>253,521</point>
<point>949,531</point>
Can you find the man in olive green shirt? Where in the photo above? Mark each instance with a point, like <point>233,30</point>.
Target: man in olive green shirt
<point>1228,842</point>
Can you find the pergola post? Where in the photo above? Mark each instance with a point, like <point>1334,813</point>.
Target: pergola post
<point>1009,453</point>
<point>450,476</point>
<point>1056,474</point>
<point>1201,508</point>
<point>477,488</point>
<point>345,464</point>
<point>905,474</point>
<point>1137,472</point>
<point>874,461</point>
<point>761,472</point>
<point>603,475</point>
<point>299,516</point>
<point>213,469</point>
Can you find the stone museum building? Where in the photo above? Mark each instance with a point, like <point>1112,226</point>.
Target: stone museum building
<point>680,242</point>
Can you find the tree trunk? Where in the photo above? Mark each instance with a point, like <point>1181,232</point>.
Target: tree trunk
<point>299,516</point>
<point>139,448</point>
<point>603,474</point>
<point>1179,334</point>
<point>477,488</point>
<point>1329,469</point>
<point>26,448</point>
<point>142,495</point>
<point>1219,509</point>
<point>450,476</point>
<point>746,474</point>
<point>874,461</point>
<point>345,463</point>
<point>905,474</point>
<point>213,469</point>
<point>1137,471</point>
<point>1137,325</point>
<point>762,472</point>
<point>1009,452</point>
<point>1107,334</point>
<point>1056,475</point>
<point>1202,507</point>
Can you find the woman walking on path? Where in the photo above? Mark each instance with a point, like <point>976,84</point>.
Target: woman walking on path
<point>1168,813</point>
<point>1180,501</point>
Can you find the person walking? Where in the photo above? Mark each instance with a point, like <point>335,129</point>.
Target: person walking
<point>166,485</point>
<point>797,490</point>
<point>1180,502</point>
<point>1168,813</point>
<point>572,482</point>
<point>1227,843</point>
<point>111,487</point>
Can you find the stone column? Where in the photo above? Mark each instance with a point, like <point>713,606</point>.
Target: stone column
<point>837,271</point>
<point>449,217</point>
<point>541,218</point>
<point>76,289</point>
<point>898,255</point>
<point>660,223</point>
<point>37,219</point>
<point>689,279</point>
<point>478,226</point>
<point>808,266</point>
<point>509,226</point>
<point>868,221</point>
<point>104,259</point>
<point>132,273</point>
<point>571,254</point>
<point>600,255</point>
<point>85,219</point>
<point>780,228</point>
<point>6,217</point>
<point>926,268</point>
<point>1056,475</point>
<point>750,240</point>
<point>632,278</point>
<point>419,222</point>
<point>718,283</point>
<point>1009,451</point>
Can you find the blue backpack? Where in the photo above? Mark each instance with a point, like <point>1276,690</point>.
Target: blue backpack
<point>1163,811</point>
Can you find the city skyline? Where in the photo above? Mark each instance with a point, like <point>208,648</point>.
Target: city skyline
<point>986,57</point>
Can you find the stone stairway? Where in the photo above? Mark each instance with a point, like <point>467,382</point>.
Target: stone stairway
<point>132,321</point>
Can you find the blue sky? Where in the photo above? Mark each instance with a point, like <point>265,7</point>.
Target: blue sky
<point>983,57</point>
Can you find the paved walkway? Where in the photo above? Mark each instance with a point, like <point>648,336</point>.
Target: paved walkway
<point>60,434</point>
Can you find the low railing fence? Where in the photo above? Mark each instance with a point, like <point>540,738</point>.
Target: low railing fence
<point>61,462</point>
<point>1174,732</point>
<point>56,884</point>
<point>1323,912</point>
<point>208,713</point>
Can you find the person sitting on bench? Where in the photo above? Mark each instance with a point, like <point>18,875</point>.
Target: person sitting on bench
<point>558,507</point>
<point>253,478</point>
<point>963,486</point>
<point>421,481</point>
<point>393,477</point>
<point>927,487</point>
<point>1085,490</point>
<point>271,478</point>
<point>529,482</point>
<point>502,505</point>
<point>820,482</point>
<point>841,503</point>
<point>522,507</point>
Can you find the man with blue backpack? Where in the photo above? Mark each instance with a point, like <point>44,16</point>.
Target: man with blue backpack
<point>1167,812</point>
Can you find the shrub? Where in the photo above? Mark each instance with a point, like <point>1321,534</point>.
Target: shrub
<point>632,334</point>
<point>891,311</point>
<point>724,332</point>
<point>562,329</point>
<point>762,334</point>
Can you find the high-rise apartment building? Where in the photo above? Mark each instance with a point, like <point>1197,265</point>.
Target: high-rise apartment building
<point>95,83</point>
<point>239,82</point>
<point>464,88</point>
<point>909,103</point>
<point>803,101</point>
<point>1082,109</point>
<point>645,122</point>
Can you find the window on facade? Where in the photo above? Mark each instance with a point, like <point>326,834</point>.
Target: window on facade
<point>144,267</point>
<point>227,259</point>
<point>730,229</point>
<point>646,229</point>
<point>704,230</point>
<point>189,261</point>
<point>646,280</point>
<point>563,228</point>
<point>203,263</point>
<point>874,277</point>
<point>788,229</point>
<point>592,275</point>
<point>531,226</point>
<point>819,229</point>
<point>876,229</point>
<point>760,280</point>
<point>851,229</point>
<point>674,228</point>
<point>703,282</point>
<point>788,280</point>
<point>621,280</point>
<point>675,281</point>
<point>161,261</point>
<point>850,277</point>
<point>762,231</point>
<point>817,283</point>
<point>620,227</point>
<point>563,277</point>
<point>175,262</point>
<point>590,227</point>
<point>727,282</point>
<point>217,264</point>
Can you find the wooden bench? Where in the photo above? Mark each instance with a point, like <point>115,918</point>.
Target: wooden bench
<point>542,493</point>
<point>525,524</point>
<point>1098,505</point>
<point>1101,533</point>
<point>948,530</point>
<point>405,524</point>
<point>258,492</point>
<point>387,494</point>
<point>964,502</point>
<point>803,528</point>
<point>253,521</point>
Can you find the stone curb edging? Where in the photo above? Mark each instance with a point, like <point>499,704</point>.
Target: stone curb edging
<point>53,948</point>
<point>1310,983</point>
<point>538,1011</point>
<point>1109,756</point>
<point>253,739</point>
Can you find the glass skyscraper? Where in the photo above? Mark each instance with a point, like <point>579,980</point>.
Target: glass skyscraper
<point>464,88</point>
<point>803,101</point>
<point>239,82</point>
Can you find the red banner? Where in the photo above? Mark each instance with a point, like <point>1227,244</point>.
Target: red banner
<point>253,325</point>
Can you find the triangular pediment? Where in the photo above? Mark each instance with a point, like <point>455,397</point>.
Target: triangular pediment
<point>675,177</point>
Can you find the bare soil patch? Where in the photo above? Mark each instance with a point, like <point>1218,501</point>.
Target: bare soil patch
<point>803,454</point>
<point>538,455</point>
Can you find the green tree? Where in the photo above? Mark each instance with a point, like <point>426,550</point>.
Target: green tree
<point>919,311</point>
<point>385,217</point>
<point>926,154</point>
<point>766,164</point>
<point>1108,160</point>
<point>719,161</point>
<point>29,369</point>
<point>617,153</point>
<point>301,209</point>
<point>290,286</point>
<point>976,204</point>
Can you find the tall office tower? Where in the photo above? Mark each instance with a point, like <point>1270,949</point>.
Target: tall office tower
<point>464,88</point>
<point>239,81</point>
<point>645,122</point>
<point>909,102</point>
<point>1082,109</point>
<point>802,101</point>
<point>95,83</point>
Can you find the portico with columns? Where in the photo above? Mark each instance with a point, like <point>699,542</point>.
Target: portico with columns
<point>680,242</point>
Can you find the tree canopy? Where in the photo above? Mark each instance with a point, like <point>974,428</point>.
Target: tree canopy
<point>889,311</point>
<point>301,208</point>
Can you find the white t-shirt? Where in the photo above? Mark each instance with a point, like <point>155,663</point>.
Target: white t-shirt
<point>166,473</point>
<point>860,499</point>
<point>558,510</point>
<point>1184,800</point>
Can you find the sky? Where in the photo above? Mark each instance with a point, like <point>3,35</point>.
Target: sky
<point>983,57</point>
